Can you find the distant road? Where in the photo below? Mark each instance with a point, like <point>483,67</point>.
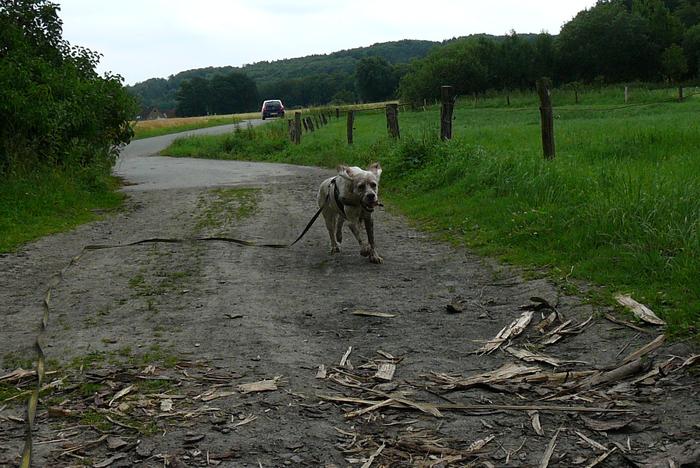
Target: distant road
<point>141,166</point>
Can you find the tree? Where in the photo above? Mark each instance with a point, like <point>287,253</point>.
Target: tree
<point>232,93</point>
<point>691,46</point>
<point>674,63</point>
<point>54,107</point>
<point>376,80</point>
<point>192,97</point>
<point>607,40</point>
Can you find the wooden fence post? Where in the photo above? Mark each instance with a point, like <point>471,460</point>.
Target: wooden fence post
<point>392,120</point>
<point>547,118</point>
<point>297,128</point>
<point>310,123</point>
<point>337,112</point>
<point>626,94</point>
<point>306,126</point>
<point>448,103</point>
<point>323,118</point>
<point>680,92</point>
<point>351,122</point>
<point>290,130</point>
<point>316,121</point>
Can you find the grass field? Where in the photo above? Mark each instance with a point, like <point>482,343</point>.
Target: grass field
<point>151,128</point>
<point>618,207</point>
<point>49,200</point>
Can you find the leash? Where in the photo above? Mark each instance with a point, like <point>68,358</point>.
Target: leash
<point>55,280</point>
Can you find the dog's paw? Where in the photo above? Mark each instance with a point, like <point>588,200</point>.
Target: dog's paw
<point>339,238</point>
<point>366,250</point>
<point>375,258</point>
<point>335,249</point>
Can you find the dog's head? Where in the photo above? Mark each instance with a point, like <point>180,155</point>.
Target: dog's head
<point>363,185</point>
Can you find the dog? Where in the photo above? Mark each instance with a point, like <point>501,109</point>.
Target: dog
<point>351,196</point>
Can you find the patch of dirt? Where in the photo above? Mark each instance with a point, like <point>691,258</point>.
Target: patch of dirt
<point>150,346</point>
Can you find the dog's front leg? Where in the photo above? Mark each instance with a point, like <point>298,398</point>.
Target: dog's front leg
<point>331,222</point>
<point>364,247</point>
<point>373,255</point>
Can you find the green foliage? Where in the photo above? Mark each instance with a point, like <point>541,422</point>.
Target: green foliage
<point>674,63</point>
<point>61,125</point>
<point>54,108</point>
<point>376,79</point>
<point>221,94</point>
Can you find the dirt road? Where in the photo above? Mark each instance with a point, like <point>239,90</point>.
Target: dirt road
<point>150,344</point>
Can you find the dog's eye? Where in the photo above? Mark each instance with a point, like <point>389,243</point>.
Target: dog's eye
<point>361,186</point>
<point>373,185</point>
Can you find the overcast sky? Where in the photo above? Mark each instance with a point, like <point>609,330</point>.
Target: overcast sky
<point>157,38</point>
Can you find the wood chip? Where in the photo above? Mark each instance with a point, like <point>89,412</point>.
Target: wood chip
<point>385,372</point>
<point>116,443</point>
<point>213,395</point>
<point>605,426</point>
<point>591,442</point>
<point>547,321</point>
<point>544,463</point>
<point>502,374</point>
<point>515,328</point>
<point>121,393</point>
<point>249,419</point>
<point>535,420</point>
<point>109,461</point>
<point>166,405</point>
<point>646,349</point>
<point>479,444</point>
<point>370,460</point>
<point>528,356</point>
<point>344,359</point>
<point>600,458</point>
<point>369,313</point>
<point>321,373</point>
<point>260,386</point>
<point>640,311</point>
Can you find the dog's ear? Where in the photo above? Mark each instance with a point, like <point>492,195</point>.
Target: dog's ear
<point>345,172</point>
<point>375,169</point>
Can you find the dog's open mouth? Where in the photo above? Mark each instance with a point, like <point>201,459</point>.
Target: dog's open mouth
<point>370,206</point>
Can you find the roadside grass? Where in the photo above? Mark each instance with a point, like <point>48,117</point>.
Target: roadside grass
<point>152,128</point>
<point>619,206</point>
<point>49,200</point>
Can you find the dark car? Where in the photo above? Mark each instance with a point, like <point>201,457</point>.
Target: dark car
<point>272,108</point>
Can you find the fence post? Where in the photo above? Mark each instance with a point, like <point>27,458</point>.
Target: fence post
<point>351,122</point>
<point>448,103</point>
<point>626,94</point>
<point>547,118</point>
<point>306,126</point>
<point>337,112</point>
<point>297,128</point>
<point>680,92</point>
<point>316,121</point>
<point>392,120</point>
<point>310,123</point>
<point>323,118</point>
<point>290,130</point>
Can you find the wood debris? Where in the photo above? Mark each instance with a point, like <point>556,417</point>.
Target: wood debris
<point>267,385</point>
<point>515,328</point>
<point>544,463</point>
<point>535,420</point>
<point>644,350</point>
<point>344,359</point>
<point>386,371</point>
<point>528,356</point>
<point>500,375</point>
<point>321,373</point>
<point>370,313</point>
<point>640,311</point>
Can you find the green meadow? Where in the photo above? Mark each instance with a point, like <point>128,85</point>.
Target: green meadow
<point>619,206</point>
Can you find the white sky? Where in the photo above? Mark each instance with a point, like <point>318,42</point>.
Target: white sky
<point>157,38</point>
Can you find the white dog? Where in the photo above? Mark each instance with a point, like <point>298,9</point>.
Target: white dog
<point>351,196</point>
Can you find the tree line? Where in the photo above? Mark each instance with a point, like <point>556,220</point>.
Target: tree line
<point>54,107</point>
<point>614,41</point>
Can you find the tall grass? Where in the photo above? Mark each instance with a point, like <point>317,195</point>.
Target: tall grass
<point>619,206</point>
<point>47,199</point>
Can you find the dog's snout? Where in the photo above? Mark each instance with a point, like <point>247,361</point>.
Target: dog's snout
<point>371,196</point>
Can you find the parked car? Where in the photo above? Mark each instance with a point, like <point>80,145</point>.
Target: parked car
<point>272,108</point>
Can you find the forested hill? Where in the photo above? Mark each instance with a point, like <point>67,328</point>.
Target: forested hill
<point>160,92</point>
